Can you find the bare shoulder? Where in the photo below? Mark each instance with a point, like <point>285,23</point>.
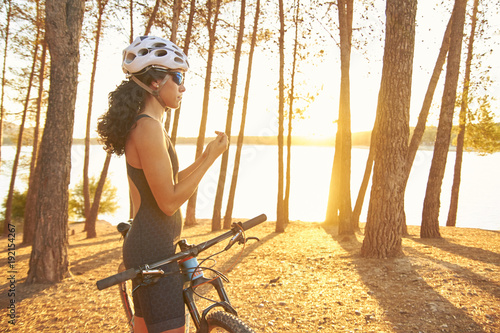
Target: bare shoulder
<point>147,131</point>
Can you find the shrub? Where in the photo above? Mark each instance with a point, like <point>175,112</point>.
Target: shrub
<point>108,204</point>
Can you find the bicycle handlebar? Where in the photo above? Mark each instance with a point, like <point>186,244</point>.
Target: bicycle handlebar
<point>193,251</point>
<point>117,278</point>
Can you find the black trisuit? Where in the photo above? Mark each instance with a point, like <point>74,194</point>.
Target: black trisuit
<point>152,238</point>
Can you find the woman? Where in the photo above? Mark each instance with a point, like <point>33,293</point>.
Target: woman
<point>133,125</point>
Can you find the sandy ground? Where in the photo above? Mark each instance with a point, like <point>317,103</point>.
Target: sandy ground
<point>307,279</point>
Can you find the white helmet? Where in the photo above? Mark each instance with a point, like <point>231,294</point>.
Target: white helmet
<point>147,51</point>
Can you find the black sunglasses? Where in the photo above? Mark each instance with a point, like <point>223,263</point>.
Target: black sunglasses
<point>178,77</point>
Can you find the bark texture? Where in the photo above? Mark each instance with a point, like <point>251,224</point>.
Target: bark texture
<point>386,209</point>
<point>49,256</point>
<point>432,200</point>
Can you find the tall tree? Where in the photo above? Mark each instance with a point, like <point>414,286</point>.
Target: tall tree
<point>10,195</point>
<point>386,208</point>
<point>212,13</point>
<point>91,218</point>
<point>131,12</point>
<point>419,130</point>
<point>101,5</point>
<point>452,213</point>
<point>187,41</point>
<point>286,200</point>
<point>241,134</point>
<point>49,255</point>
<point>31,197</point>
<point>216,218</point>
<point>280,214</point>
<point>430,212</point>
<point>7,38</point>
<point>176,13</point>
<point>339,201</point>
<point>152,18</point>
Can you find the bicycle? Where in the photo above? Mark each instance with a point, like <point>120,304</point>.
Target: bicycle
<point>226,320</point>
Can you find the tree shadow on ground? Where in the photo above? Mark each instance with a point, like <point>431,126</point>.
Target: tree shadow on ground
<point>86,242</point>
<point>465,274</point>
<point>470,252</point>
<point>231,263</point>
<point>409,303</point>
<point>22,291</point>
<point>79,267</point>
<point>83,265</point>
<point>250,247</point>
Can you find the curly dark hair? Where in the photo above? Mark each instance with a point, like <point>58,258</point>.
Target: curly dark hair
<point>124,104</point>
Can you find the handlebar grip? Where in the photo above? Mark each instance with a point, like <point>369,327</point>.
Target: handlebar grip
<point>254,222</point>
<point>117,278</point>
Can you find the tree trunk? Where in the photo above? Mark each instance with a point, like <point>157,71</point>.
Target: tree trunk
<point>216,218</point>
<point>344,124</point>
<point>286,208</point>
<point>101,4</point>
<point>239,145</point>
<point>187,40</point>
<point>386,209</point>
<point>452,213</point>
<point>280,218</point>
<point>419,130</point>
<point>152,18</point>
<point>176,12</point>
<point>2,111</point>
<point>339,199</point>
<point>131,9</point>
<point>430,212</point>
<point>91,219</point>
<point>10,195</point>
<point>49,255</point>
<point>191,206</point>
<point>366,177</point>
<point>30,209</point>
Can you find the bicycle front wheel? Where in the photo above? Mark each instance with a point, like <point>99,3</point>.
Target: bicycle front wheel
<point>221,321</point>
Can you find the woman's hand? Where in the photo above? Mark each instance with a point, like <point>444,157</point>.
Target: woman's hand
<point>216,147</point>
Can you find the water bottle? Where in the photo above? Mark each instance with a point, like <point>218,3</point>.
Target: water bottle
<point>189,266</point>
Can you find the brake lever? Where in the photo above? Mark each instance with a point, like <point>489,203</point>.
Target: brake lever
<point>243,241</point>
<point>236,238</point>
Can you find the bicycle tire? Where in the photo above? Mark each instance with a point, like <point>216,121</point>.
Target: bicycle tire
<point>126,297</point>
<point>220,321</point>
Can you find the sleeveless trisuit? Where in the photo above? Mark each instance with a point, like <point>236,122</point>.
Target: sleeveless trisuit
<point>152,238</point>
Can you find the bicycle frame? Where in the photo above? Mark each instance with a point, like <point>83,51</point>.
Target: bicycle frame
<point>152,271</point>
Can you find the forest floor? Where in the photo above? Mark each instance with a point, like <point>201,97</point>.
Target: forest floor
<point>307,279</point>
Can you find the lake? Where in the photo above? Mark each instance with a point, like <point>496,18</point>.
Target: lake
<point>311,168</point>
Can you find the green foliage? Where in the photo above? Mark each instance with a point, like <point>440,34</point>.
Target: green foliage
<point>108,204</point>
<point>18,205</point>
<point>482,134</point>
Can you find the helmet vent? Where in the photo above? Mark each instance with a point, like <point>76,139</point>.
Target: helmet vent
<point>143,52</point>
<point>159,45</point>
<point>179,54</point>
<point>130,58</point>
<point>161,53</point>
<point>178,60</point>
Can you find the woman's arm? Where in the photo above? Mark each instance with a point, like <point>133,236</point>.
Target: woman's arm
<point>187,171</point>
<point>152,151</point>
